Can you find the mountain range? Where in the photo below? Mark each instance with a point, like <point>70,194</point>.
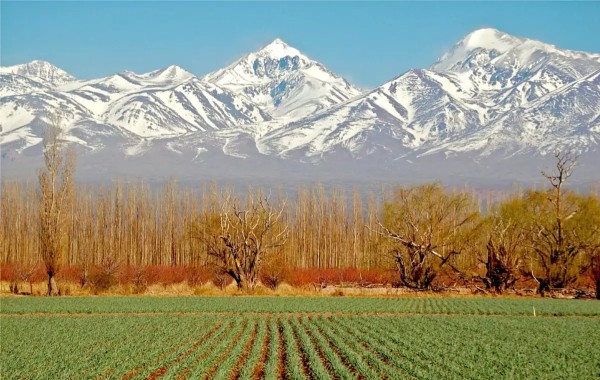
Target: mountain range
<point>491,111</point>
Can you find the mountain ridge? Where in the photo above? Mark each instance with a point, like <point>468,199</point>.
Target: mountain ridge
<point>490,97</point>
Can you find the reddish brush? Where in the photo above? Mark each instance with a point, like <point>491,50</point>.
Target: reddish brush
<point>332,276</point>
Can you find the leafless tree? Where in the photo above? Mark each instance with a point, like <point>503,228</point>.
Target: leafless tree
<point>504,254</point>
<point>556,245</point>
<point>55,199</point>
<point>431,227</point>
<point>240,236</point>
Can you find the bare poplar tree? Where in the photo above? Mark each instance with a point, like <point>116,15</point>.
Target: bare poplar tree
<point>55,197</point>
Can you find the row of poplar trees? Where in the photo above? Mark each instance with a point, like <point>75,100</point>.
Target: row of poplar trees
<point>549,236</point>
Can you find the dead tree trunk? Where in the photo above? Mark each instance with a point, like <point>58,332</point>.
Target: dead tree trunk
<point>52,286</point>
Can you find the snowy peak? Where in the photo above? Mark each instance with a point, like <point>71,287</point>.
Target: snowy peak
<point>279,49</point>
<point>276,59</point>
<point>490,39</point>
<point>498,69</point>
<point>489,46</point>
<point>272,61</point>
<point>40,71</point>
<point>479,46</point>
<point>173,73</point>
<point>284,82</point>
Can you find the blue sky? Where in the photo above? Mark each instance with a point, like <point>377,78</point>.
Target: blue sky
<point>366,42</point>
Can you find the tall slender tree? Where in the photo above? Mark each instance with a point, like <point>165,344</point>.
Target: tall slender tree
<point>55,199</point>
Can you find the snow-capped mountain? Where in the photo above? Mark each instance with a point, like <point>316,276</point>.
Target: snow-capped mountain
<point>493,60</point>
<point>13,84</point>
<point>284,82</point>
<point>171,101</point>
<point>492,101</point>
<point>161,103</point>
<point>166,76</point>
<point>190,106</point>
<point>409,111</point>
<point>35,76</point>
<point>40,71</point>
<point>491,91</point>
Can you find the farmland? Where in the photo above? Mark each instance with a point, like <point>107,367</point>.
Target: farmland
<point>298,338</point>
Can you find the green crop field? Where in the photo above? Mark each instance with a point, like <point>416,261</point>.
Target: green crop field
<point>299,338</point>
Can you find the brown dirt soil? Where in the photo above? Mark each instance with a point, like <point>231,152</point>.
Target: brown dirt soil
<point>131,373</point>
<point>339,353</point>
<point>259,371</point>
<point>319,350</point>
<point>212,370</point>
<point>281,354</point>
<point>162,370</point>
<point>305,363</point>
<point>245,353</point>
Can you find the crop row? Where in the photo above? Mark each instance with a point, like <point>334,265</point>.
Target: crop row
<point>310,346</point>
<point>467,306</point>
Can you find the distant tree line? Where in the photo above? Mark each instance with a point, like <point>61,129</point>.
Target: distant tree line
<point>421,232</point>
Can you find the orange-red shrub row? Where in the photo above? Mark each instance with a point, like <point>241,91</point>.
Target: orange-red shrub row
<point>151,274</point>
<point>166,275</point>
<point>301,277</point>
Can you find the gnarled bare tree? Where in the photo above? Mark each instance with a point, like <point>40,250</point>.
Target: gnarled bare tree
<point>241,235</point>
<point>504,253</point>
<point>555,242</point>
<point>55,198</point>
<point>431,227</point>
